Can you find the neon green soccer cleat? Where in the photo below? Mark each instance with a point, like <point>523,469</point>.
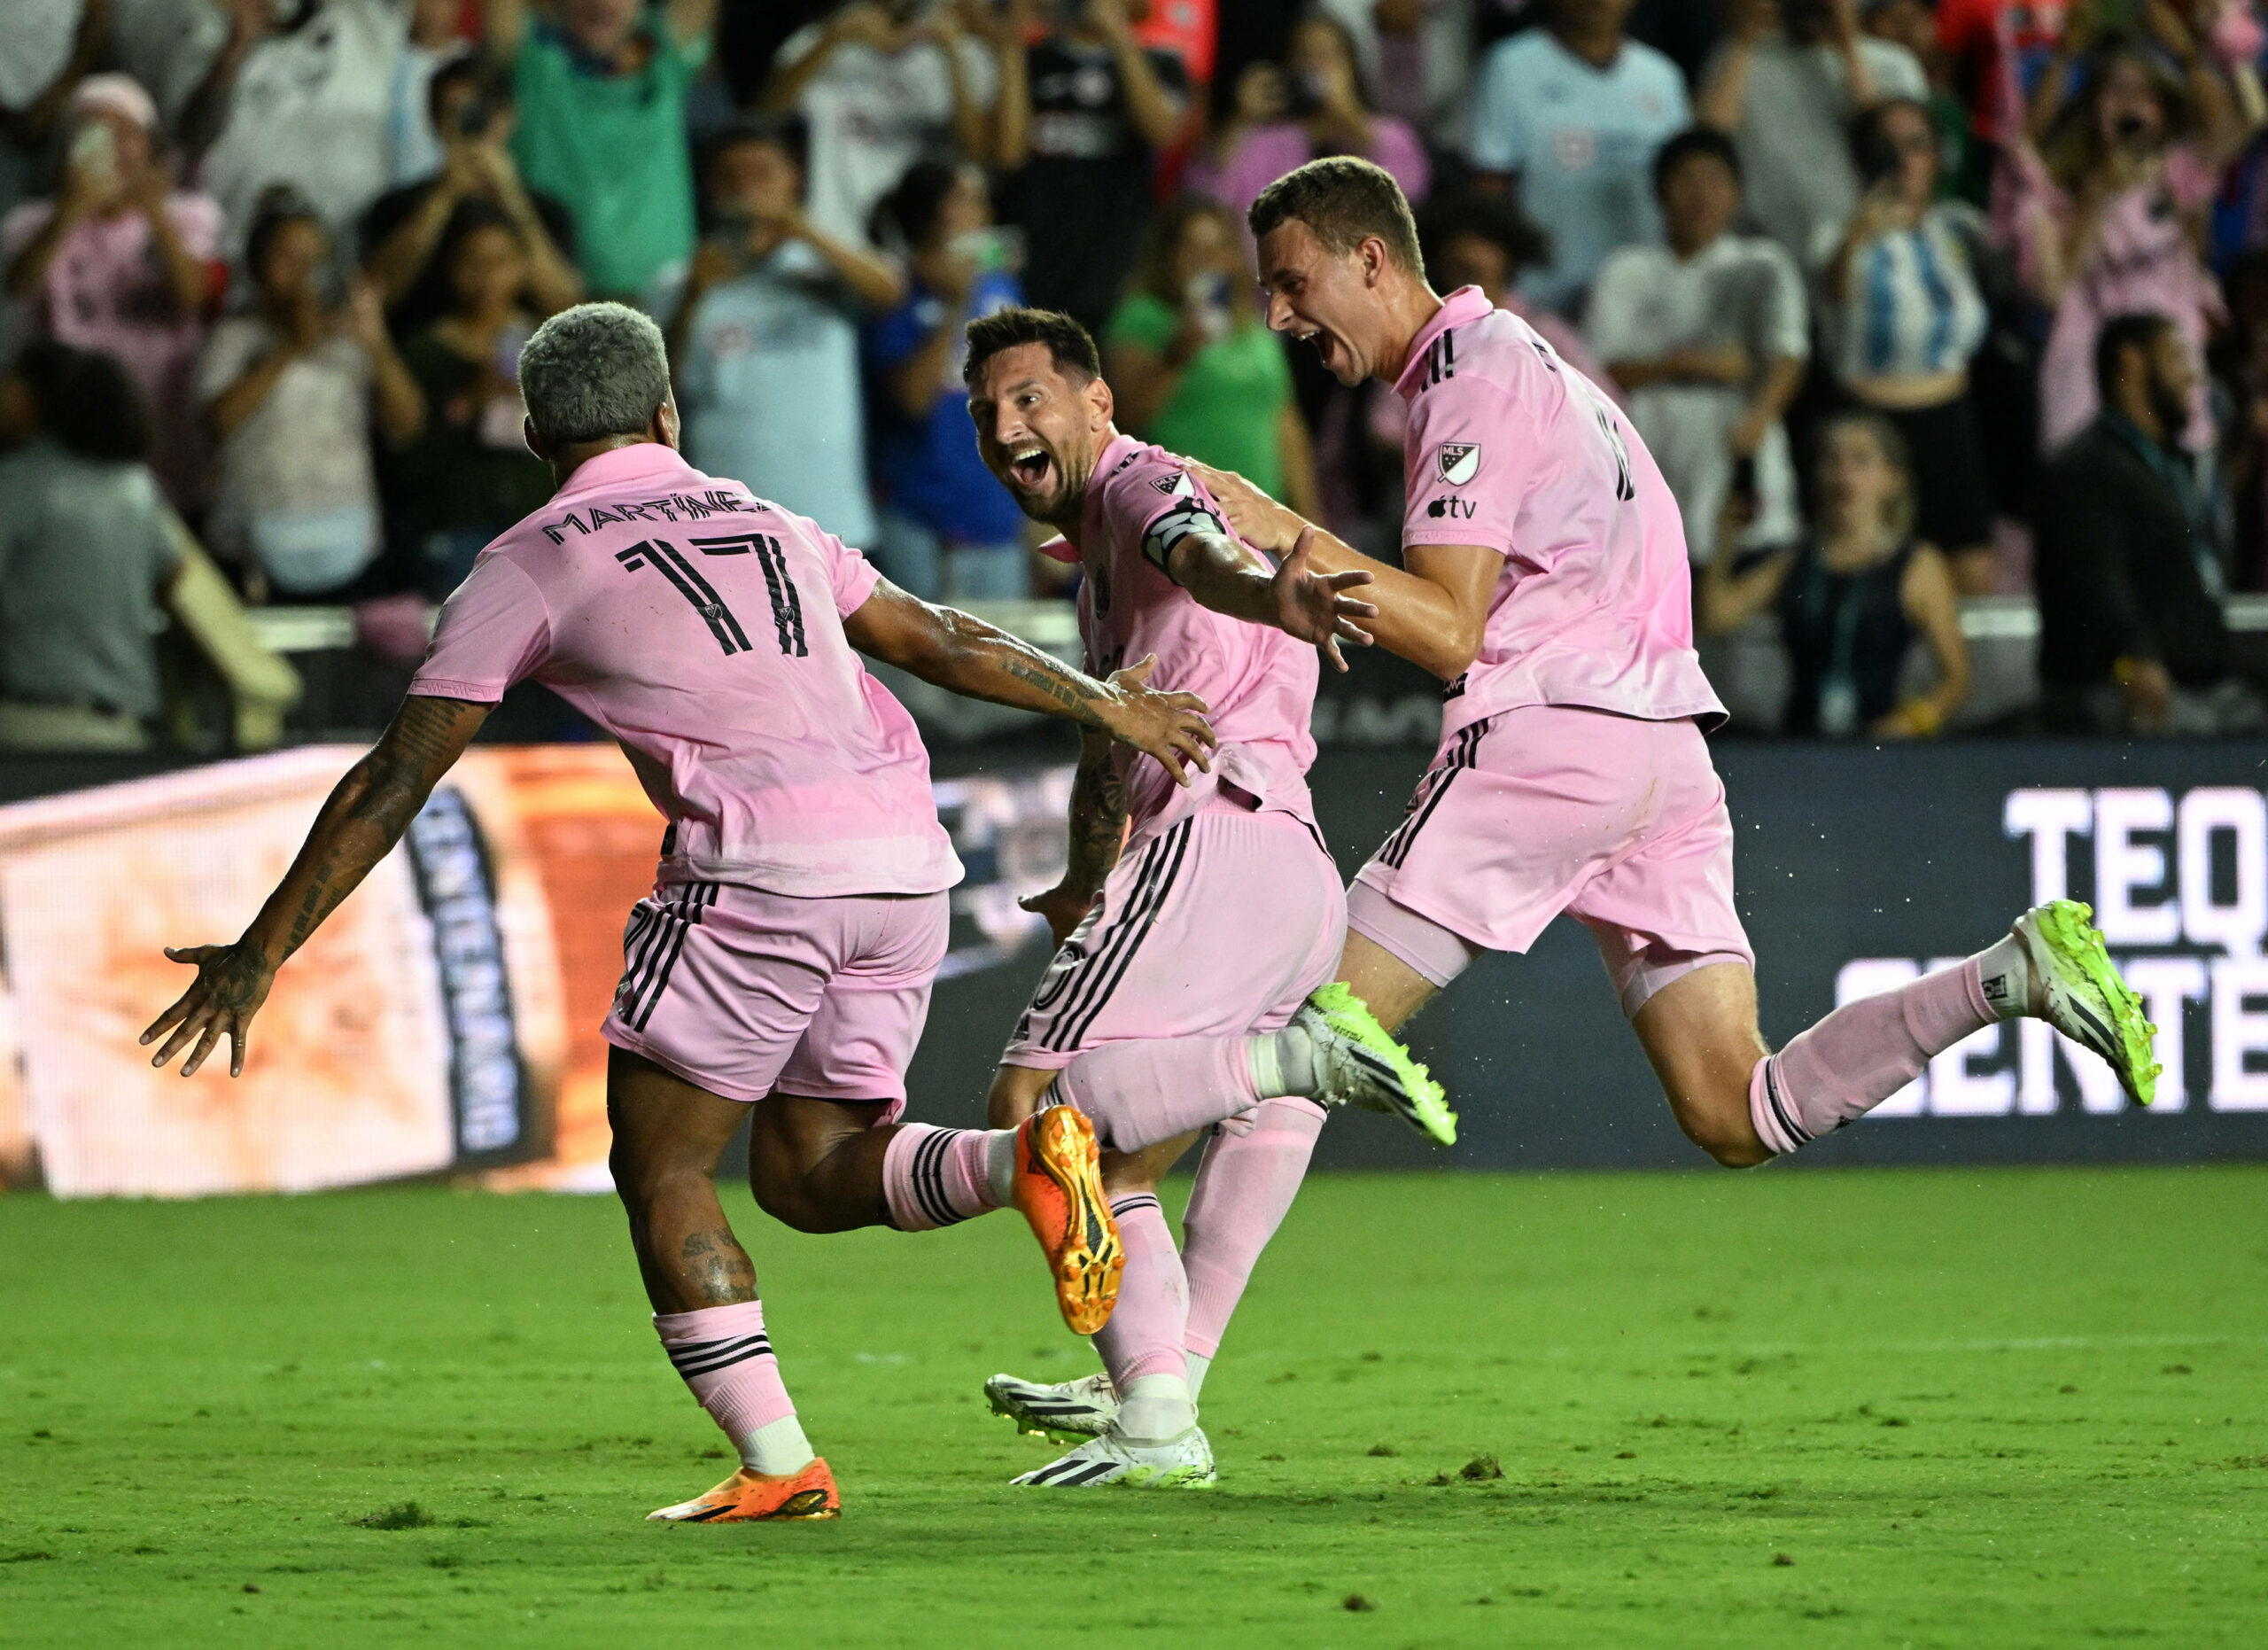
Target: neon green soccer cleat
<point>2081,995</point>
<point>1360,1065</point>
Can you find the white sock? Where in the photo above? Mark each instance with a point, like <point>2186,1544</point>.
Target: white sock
<point>1000,1165</point>
<point>1197,1363</point>
<point>777,1448</point>
<point>1155,1408</point>
<point>2005,967</point>
<point>1283,1063</point>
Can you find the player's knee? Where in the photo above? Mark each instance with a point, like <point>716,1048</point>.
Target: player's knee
<point>1732,1141</point>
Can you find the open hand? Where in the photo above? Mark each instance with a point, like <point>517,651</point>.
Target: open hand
<point>1259,520</point>
<point>232,981</point>
<point>1063,906</point>
<point>1309,604</point>
<point>1170,727</point>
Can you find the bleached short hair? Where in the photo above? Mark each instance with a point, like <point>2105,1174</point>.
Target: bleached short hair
<point>592,371</point>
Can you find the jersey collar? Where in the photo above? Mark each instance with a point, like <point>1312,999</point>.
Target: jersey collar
<point>622,466</point>
<point>1467,303</point>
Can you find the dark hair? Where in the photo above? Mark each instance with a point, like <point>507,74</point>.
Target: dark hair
<point>1315,17</point>
<point>787,131</point>
<point>2136,330</point>
<point>87,403</point>
<point>1069,345</point>
<point>914,205</point>
<point>280,206</point>
<point>472,69</point>
<point>1869,135</point>
<point>1695,141</point>
<point>1896,451</point>
<point>2072,146</point>
<point>1154,269</point>
<point>1495,218</point>
<point>1344,201</point>
<point>470,217</point>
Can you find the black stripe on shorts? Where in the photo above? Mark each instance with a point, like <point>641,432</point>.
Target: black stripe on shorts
<point>1160,866</point>
<point>1463,754</point>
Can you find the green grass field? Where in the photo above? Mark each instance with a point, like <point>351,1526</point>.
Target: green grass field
<point>1956,1407</point>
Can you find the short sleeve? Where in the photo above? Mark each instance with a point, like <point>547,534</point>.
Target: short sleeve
<point>1499,126</point>
<point>1787,313</point>
<point>1898,73</point>
<point>1478,454</point>
<point>848,573</point>
<point>1610,318</point>
<point>494,630</point>
<point>197,223</point>
<point>235,345</point>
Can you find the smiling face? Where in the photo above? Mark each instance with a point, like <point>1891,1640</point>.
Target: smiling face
<point>2129,112</point>
<point>1039,430</point>
<point>1329,299</point>
<point>1859,483</point>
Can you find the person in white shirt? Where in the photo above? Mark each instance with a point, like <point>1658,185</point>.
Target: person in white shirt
<point>1783,88</point>
<point>878,89</point>
<point>1708,338</point>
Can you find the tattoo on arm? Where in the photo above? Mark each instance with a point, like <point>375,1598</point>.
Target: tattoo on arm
<point>1074,692</point>
<point>1098,818</point>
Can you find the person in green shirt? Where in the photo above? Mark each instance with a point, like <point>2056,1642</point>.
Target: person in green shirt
<point>1194,368</point>
<point>601,87</point>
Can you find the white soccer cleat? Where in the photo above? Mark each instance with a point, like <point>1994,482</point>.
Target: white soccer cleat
<point>1064,1411</point>
<point>2077,989</point>
<point>1183,1463</point>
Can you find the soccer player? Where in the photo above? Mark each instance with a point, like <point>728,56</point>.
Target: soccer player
<point>1544,581</point>
<point>1214,922</point>
<point>783,963</point>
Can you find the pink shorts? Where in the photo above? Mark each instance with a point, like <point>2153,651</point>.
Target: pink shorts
<point>743,992</point>
<point>1619,823</point>
<point>1218,926</point>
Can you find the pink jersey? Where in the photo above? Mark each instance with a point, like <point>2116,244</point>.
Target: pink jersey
<point>1510,447</point>
<point>1257,683</point>
<point>702,627</point>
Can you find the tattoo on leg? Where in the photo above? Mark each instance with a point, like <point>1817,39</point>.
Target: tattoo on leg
<point>716,1269</point>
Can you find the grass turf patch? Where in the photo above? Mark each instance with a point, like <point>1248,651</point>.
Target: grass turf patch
<point>2006,1407</point>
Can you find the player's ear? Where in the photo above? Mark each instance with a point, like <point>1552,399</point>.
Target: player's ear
<point>1103,404</point>
<point>1375,258</point>
<point>665,426</point>
<point>534,441</point>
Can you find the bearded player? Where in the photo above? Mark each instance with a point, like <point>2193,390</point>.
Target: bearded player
<point>780,970</point>
<point>1544,581</point>
<point>1196,922</point>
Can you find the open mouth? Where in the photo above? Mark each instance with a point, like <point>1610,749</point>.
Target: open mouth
<point>1323,342</point>
<point>1031,467</point>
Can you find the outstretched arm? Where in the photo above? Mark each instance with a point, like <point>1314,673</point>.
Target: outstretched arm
<point>1294,598</point>
<point>358,825</point>
<point>957,651</point>
<point>1433,614</point>
<point>1098,837</point>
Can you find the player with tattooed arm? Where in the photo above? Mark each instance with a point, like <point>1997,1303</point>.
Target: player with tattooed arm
<point>781,967</point>
<point>1195,922</point>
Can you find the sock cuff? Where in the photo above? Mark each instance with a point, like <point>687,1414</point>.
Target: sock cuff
<point>1125,1206</point>
<point>707,1323</point>
<point>1770,1110</point>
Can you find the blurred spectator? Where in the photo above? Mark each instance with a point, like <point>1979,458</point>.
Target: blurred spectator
<point>879,87</point>
<point>84,555</point>
<point>301,96</point>
<point>120,261</point>
<point>1709,336</point>
<point>1576,111</point>
<point>1476,237</point>
<point>466,473</point>
<point>1853,596</point>
<point>2110,212</point>
<point>1785,87</point>
<point>1963,160</point>
<point>288,388</point>
<point>1193,367</point>
<point>1993,48</point>
<point>1085,110</point>
<point>47,47</point>
<point>472,106</point>
<point>1904,316</point>
<point>948,529</point>
<point>1329,115</point>
<point>2132,637</point>
<point>1417,54</point>
<point>414,142</point>
<point>601,126</point>
<point>765,340</point>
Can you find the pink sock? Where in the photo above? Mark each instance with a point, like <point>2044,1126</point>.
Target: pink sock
<point>726,1357</point>
<point>1861,1054</point>
<point>934,1177</point>
<point>1143,1335</point>
<point>1139,1094</point>
<point>1244,1187</point>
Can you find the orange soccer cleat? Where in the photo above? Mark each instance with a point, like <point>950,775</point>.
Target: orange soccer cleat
<point>1059,1188</point>
<point>749,1495</point>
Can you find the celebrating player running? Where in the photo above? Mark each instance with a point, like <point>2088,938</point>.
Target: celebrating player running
<point>785,958</point>
<point>1215,921</point>
<point>1546,584</point>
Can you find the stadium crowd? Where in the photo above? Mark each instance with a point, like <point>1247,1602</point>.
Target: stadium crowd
<point>1912,304</point>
